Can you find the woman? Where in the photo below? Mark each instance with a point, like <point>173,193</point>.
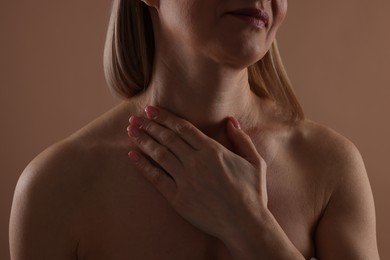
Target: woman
<point>218,161</point>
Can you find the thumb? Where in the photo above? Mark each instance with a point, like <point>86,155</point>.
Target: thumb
<point>242,142</point>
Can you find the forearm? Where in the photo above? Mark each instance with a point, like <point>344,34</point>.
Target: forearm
<point>259,238</point>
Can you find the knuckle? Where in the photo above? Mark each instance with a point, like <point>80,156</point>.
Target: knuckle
<point>146,126</point>
<point>140,141</point>
<point>214,150</point>
<point>183,128</point>
<point>217,154</point>
<point>167,138</point>
<point>160,154</point>
<point>155,176</point>
<point>259,163</point>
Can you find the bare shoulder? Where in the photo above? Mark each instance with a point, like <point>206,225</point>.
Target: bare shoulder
<point>63,167</point>
<point>62,162</point>
<point>52,191</point>
<point>323,146</point>
<point>56,165</point>
<point>45,206</point>
<point>346,228</point>
<point>323,137</point>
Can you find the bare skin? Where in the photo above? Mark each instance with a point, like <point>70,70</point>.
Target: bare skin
<point>83,199</point>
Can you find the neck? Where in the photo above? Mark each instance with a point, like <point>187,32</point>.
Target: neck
<point>204,94</point>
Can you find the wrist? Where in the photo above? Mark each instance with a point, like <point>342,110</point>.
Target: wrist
<point>252,225</point>
<point>260,236</point>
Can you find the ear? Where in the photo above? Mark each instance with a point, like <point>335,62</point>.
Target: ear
<point>151,3</point>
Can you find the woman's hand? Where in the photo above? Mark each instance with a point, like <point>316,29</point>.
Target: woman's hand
<point>211,187</point>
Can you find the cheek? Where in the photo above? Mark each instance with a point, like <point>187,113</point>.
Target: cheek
<point>172,15</point>
<point>279,10</point>
<point>179,17</point>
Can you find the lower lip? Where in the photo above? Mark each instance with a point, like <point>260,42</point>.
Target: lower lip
<point>258,23</point>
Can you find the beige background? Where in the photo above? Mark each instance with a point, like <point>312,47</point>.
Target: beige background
<point>52,83</point>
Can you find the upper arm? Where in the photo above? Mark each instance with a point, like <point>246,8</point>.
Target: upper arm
<point>40,223</point>
<point>347,228</point>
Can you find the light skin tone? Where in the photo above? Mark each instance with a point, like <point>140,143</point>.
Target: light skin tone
<point>209,83</point>
<point>201,75</point>
<point>235,193</point>
<point>212,84</point>
<point>223,162</point>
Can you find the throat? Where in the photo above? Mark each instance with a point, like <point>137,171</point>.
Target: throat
<point>206,108</point>
<point>204,94</point>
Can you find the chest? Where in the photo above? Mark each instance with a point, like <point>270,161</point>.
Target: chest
<point>127,218</point>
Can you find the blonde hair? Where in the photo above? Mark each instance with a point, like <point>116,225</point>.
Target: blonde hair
<point>129,54</point>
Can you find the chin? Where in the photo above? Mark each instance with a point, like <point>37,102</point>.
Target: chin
<point>240,58</point>
<point>240,52</point>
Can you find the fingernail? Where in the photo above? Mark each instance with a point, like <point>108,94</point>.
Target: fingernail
<point>134,132</point>
<point>136,121</point>
<point>134,156</point>
<point>235,123</point>
<point>151,112</point>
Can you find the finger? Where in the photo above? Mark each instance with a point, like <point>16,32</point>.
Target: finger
<point>242,142</point>
<point>159,153</point>
<point>163,183</point>
<point>164,136</point>
<point>187,131</point>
